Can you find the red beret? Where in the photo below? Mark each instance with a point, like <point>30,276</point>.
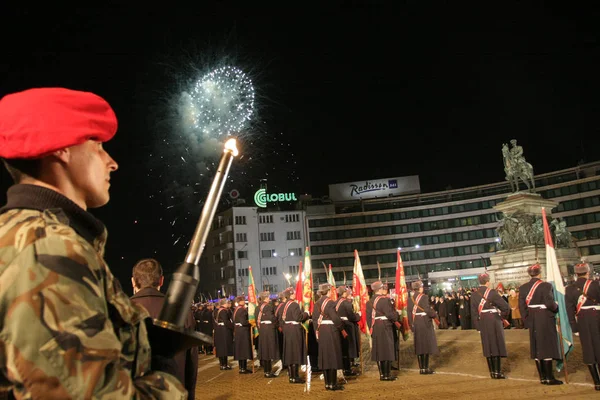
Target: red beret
<point>534,270</point>
<point>36,122</point>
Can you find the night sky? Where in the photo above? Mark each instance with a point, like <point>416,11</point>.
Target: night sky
<point>344,93</point>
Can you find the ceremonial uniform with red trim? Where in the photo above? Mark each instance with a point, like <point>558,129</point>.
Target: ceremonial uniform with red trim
<point>294,343</point>
<point>223,332</point>
<point>382,326</point>
<point>350,345</point>
<point>539,316</point>
<point>243,341</point>
<point>328,330</point>
<point>489,321</point>
<point>586,321</point>
<point>268,342</point>
<point>422,325</point>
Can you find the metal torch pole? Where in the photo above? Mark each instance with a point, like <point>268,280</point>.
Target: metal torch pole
<point>185,279</point>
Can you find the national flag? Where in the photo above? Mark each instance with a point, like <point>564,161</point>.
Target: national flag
<point>402,296</point>
<point>299,285</point>
<point>307,290</point>
<point>331,281</point>
<point>555,278</point>
<point>252,302</point>
<point>361,294</point>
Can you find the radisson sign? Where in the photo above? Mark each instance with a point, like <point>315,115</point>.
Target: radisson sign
<point>374,188</point>
<point>261,197</point>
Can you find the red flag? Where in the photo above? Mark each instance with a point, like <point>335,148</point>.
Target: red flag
<point>361,294</point>
<point>299,285</point>
<point>402,296</point>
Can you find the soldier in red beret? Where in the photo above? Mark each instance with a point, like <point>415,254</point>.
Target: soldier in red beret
<point>583,308</point>
<point>69,330</point>
<point>538,311</point>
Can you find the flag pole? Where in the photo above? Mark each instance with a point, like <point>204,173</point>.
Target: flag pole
<point>562,349</point>
<point>252,343</point>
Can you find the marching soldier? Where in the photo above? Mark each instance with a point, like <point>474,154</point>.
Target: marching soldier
<point>421,316</point>
<point>328,327</point>
<point>583,308</point>
<point>68,329</point>
<point>381,318</point>
<point>487,308</point>
<point>223,333</point>
<point>538,310</point>
<point>294,344</point>
<point>268,345</point>
<point>242,339</point>
<point>350,346</point>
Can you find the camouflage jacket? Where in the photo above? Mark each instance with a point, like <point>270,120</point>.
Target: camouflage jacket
<point>67,330</point>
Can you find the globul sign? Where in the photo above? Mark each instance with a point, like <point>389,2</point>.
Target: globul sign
<point>261,197</point>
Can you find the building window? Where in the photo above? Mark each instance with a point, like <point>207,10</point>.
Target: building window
<point>267,236</point>
<point>295,235</point>
<point>240,220</point>
<point>242,254</point>
<point>292,218</point>
<point>266,219</point>
<point>267,253</point>
<point>241,237</point>
<point>222,273</point>
<point>269,271</point>
<point>295,252</point>
<point>293,269</point>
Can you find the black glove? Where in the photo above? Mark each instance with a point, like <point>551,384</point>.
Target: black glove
<point>164,364</point>
<point>574,328</point>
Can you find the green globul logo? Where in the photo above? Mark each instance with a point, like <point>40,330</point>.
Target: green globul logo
<point>261,197</point>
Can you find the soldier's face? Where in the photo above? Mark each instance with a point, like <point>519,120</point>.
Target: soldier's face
<point>89,167</point>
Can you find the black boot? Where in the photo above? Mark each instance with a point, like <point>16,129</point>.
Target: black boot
<point>223,362</point>
<point>268,369</point>
<point>326,379</point>
<point>379,368</point>
<point>490,367</point>
<point>294,374</point>
<point>348,367</point>
<point>244,367</point>
<point>426,368</point>
<point>386,368</point>
<point>538,365</point>
<point>420,361</point>
<point>595,371</point>
<point>332,379</point>
<point>549,373</point>
<point>496,363</point>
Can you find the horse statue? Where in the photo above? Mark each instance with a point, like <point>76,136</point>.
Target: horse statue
<point>515,167</point>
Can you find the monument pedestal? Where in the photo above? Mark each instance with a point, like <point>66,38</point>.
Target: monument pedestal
<point>509,266</point>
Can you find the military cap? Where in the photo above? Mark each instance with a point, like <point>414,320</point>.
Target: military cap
<point>341,289</point>
<point>240,299</point>
<point>324,287</point>
<point>264,295</point>
<point>534,270</point>
<point>37,122</point>
<point>223,302</point>
<point>375,286</point>
<point>417,285</point>
<point>288,292</point>
<point>582,268</point>
<point>483,278</point>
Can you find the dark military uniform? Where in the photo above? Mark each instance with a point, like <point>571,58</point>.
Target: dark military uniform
<point>223,336</point>
<point>294,342</point>
<point>328,327</point>
<point>381,318</point>
<point>539,317</point>
<point>350,345</point>
<point>489,323</point>
<point>242,340</point>
<point>268,344</point>
<point>584,316</point>
<point>422,324</point>
<point>279,325</point>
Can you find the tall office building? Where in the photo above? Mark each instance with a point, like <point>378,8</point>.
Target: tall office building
<point>447,235</point>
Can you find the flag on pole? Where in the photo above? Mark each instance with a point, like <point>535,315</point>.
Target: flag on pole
<point>378,271</point>
<point>361,294</point>
<point>299,286</point>
<point>307,291</point>
<point>402,296</point>
<point>252,302</point>
<point>331,281</point>
<point>554,277</point>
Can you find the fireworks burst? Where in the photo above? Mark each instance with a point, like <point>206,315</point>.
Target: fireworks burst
<point>221,102</point>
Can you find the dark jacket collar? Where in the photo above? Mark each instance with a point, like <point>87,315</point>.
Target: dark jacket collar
<point>148,292</point>
<point>39,198</point>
